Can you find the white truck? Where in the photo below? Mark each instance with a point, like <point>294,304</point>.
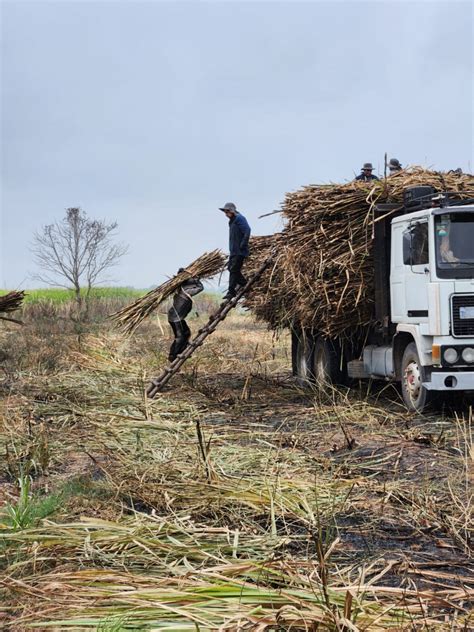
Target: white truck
<point>424,305</point>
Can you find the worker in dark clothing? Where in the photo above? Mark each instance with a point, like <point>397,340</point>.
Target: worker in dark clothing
<point>182,305</point>
<point>394,166</point>
<point>239,235</point>
<point>366,174</point>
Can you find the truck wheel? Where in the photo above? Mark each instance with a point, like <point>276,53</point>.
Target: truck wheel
<point>416,397</point>
<point>326,365</point>
<point>302,352</point>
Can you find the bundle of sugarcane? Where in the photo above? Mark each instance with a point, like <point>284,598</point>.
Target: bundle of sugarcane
<point>11,302</point>
<point>206,266</point>
<point>266,299</point>
<point>323,261</point>
<point>460,185</point>
<point>322,277</point>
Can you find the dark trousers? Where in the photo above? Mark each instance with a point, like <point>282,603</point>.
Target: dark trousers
<point>235,275</point>
<point>182,334</point>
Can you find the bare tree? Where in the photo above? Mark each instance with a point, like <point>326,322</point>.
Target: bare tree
<point>76,252</point>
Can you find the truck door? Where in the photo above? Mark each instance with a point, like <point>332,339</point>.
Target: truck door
<point>416,265</point>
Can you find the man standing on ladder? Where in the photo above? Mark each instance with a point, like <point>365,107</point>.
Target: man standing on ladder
<point>182,305</point>
<point>239,235</point>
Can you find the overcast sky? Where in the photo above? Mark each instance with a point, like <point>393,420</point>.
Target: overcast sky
<point>156,113</point>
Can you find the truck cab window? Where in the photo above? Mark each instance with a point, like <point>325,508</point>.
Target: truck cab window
<point>454,234</point>
<point>415,244</point>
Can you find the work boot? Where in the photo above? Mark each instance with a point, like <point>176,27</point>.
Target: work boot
<point>229,296</point>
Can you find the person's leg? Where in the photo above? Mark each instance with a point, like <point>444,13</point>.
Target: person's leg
<point>241,280</point>
<point>183,336</point>
<point>235,275</point>
<point>232,265</point>
<point>173,349</point>
<point>186,330</point>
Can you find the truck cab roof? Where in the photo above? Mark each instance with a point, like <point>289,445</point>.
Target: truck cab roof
<point>468,208</point>
<point>439,210</point>
<point>415,215</point>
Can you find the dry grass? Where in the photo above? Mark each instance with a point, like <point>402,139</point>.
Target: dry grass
<point>233,501</point>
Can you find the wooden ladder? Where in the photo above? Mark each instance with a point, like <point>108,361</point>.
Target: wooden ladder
<point>158,383</point>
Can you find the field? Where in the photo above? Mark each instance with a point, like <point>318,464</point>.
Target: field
<point>233,501</point>
<point>60,296</point>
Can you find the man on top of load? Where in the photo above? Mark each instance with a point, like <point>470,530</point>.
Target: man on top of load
<point>394,166</point>
<point>366,174</point>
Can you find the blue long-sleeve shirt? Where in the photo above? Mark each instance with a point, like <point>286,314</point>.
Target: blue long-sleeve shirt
<point>239,235</point>
<point>365,178</point>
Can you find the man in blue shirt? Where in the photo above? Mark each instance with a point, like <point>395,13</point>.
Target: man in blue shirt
<point>239,235</point>
<point>366,174</point>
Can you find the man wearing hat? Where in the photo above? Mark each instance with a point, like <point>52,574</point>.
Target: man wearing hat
<point>394,166</point>
<point>239,235</point>
<point>366,174</point>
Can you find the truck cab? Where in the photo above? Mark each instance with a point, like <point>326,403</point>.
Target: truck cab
<point>432,302</point>
<point>423,329</point>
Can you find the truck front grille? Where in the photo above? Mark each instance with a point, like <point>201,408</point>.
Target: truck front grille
<point>463,326</point>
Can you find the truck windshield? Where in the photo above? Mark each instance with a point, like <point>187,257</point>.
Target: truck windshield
<point>455,245</point>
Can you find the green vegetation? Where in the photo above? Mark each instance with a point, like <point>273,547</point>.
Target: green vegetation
<point>60,295</point>
<point>28,510</point>
<point>31,507</point>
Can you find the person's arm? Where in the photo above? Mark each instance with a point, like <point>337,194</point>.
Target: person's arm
<point>446,252</point>
<point>199,286</point>
<point>191,287</point>
<point>245,228</point>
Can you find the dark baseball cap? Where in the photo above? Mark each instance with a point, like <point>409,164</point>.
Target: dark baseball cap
<point>230,206</point>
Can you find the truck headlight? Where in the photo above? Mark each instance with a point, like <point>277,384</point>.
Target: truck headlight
<point>450,355</point>
<point>468,355</point>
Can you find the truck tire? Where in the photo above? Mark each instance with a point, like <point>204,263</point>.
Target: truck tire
<point>302,357</point>
<point>416,397</point>
<point>326,362</point>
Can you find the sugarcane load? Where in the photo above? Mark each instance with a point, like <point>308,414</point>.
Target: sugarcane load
<point>375,279</point>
